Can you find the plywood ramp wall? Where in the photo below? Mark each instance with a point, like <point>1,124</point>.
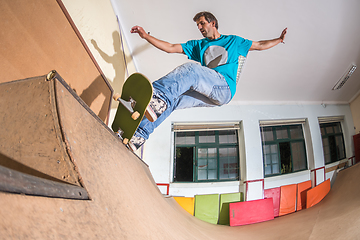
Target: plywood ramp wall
<point>37,37</point>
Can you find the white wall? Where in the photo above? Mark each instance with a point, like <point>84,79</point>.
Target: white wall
<point>159,148</point>
<point>355,108</point>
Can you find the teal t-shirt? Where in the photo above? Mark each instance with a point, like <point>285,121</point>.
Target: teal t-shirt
<point>221,54</point>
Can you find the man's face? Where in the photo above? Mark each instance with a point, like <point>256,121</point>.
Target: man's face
<point>206,28</point>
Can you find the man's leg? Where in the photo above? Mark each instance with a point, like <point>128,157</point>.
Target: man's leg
<point>189,85</point>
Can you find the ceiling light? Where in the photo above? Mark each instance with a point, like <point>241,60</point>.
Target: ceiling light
<point>344,78</point>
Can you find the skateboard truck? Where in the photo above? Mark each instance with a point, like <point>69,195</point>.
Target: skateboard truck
<point>120,133</point>
<point>129,105</point>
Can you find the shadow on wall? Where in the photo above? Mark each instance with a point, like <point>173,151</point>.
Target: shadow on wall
<point>119,61</point>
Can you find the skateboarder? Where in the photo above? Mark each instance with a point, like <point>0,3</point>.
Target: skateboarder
<point>213,83</point>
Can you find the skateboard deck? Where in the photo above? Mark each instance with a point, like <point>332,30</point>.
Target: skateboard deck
<point>133,101</point>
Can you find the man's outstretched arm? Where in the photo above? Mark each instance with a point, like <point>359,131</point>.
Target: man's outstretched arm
<point>266,44</point>
<point>162,45</point>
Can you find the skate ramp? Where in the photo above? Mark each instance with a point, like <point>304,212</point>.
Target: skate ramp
<point>123,199</point>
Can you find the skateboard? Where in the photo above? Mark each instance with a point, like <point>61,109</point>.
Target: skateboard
<point>133,101</point>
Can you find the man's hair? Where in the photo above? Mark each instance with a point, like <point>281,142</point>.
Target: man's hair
<point>208,17</point>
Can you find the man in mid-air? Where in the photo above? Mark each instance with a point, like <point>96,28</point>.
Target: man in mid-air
<point>208,84</point>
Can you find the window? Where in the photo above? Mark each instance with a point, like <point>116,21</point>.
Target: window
<point>333,142</point>
<point>203,156</point>
<point>283,149</point>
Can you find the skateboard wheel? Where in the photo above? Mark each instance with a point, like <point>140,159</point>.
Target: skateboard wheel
<point>135,115</point>
<point>126,141</point>
<point>116,96</point>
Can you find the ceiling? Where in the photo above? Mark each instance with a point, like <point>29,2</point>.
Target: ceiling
<point>322,42</point>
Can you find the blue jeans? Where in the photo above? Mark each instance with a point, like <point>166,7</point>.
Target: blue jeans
<point>189,85</point>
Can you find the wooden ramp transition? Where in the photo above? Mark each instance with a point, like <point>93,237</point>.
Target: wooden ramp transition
<point>49,133</point>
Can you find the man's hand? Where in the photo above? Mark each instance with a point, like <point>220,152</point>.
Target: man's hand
<point>139,30</point>
<point>282,36</point>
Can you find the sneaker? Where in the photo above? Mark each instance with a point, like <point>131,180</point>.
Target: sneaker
<point>150,114</point>
<point>155,108</point>
<point>135,143</point>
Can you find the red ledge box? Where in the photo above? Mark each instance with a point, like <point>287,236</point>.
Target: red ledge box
<point>243,213</point>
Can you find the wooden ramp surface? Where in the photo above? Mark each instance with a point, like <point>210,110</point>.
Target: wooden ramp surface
<point>125,202</point>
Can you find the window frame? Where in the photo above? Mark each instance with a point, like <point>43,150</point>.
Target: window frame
<point>333,124</point>
<point>277,142</point>
<point>197,145</point>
